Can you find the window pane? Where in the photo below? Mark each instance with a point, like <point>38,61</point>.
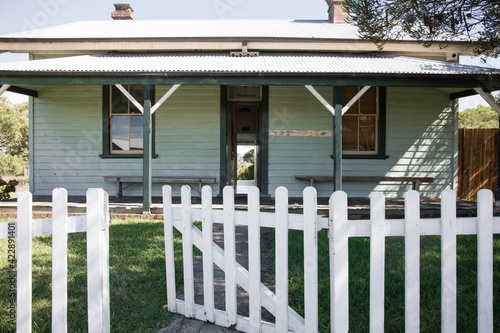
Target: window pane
<point>347,94</point>
<point>244,93</point>
<point>119,103</point>
<point>138,93</point>
<point>367,133</point>
<point>120,133</point>
<point>349,133</point>
<point>136,130</point>
<point>369,101</point>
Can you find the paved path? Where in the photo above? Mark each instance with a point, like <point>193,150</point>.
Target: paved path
<point>180,324</point>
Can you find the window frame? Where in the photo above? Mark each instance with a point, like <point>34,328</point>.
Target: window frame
<point>106,128</point>
<point>380,132</point>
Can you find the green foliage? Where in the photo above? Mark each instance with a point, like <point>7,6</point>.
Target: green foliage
<point>478,117</point>
<point>246,172</point>
<point>11,165</point>
<point>6,188</point>
<point>14,129</point>
<point>249,156</point>
<point>428,21</point>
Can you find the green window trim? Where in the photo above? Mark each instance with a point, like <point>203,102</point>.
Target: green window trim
<point>106,131</point>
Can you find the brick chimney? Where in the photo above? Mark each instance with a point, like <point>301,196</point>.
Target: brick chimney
<point>336,13</point>
<point>123,11</point>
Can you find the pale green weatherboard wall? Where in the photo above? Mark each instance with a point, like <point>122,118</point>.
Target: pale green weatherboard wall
<point>68,139</point>
<point>420,142</point>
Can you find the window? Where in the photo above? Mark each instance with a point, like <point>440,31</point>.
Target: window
<point>123,123</point>
<point>360,124</point>
<point>126,121</point>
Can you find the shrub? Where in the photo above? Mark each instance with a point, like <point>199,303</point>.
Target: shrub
<point>246,172</point>
<point>6,188</point>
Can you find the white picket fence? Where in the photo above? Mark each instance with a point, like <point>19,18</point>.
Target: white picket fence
<point>95,224</point>
<point>340,230</point>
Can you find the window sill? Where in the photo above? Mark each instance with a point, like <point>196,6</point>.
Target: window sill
<point>104,156</point>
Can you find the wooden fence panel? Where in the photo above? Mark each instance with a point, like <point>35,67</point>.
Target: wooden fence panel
<point>340,230</point>
<point>477,161</point>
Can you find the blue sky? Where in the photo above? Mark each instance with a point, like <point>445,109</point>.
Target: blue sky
<point>24,15</point>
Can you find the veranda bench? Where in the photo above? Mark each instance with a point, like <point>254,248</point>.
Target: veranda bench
<point>162,180</point>
<point>415,181</point>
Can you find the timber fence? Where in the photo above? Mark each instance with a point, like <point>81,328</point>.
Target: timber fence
<point>95,224</point>
<point>477,161</point>
<point>340,229</point>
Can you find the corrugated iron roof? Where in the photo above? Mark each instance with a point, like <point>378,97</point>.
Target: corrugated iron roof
<point>144,29</point>
<point>224,63</point>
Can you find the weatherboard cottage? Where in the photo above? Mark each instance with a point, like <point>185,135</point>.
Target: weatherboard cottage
<point>121,102</point>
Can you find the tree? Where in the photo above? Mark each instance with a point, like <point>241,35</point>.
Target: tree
<point>14,130</point>
<point>428,21</point>
<point>478,117</point>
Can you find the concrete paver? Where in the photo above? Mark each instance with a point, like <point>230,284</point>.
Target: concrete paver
<point>180,324</point>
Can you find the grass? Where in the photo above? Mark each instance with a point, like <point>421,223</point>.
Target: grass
<point>359,279</point>
<point>137,279</point>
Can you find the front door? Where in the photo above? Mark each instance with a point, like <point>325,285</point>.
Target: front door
<point>242,145</point>
<point>243,109</point>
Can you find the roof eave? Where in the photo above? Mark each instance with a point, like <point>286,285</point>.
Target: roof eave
<point>93,46</point>
<point>485,81</point>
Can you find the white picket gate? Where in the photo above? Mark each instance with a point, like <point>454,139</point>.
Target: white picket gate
<point>340,230</point>
<point>95,224</point>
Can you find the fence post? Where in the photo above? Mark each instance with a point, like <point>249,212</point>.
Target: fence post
<point>230,255</point>
<point>310,260</point>
<point>377,261</point>
<point>412,262</point>
<point>485,261</point>
<point>208,256</point>
<point>168,225</point>
<point>59,260</point>
<point>187,251</point>
<point>24,261</point>
<point>281,232</point>
<point>448,261</point>
<point>98,261</point>
<point>338,234</point>
<point>254,259</point>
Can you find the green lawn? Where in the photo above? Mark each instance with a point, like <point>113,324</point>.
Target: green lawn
<point>359,266</point>
<point>137,279</point>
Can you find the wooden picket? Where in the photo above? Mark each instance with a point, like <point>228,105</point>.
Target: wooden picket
<point>340,229</point>
<point>95,224</point>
